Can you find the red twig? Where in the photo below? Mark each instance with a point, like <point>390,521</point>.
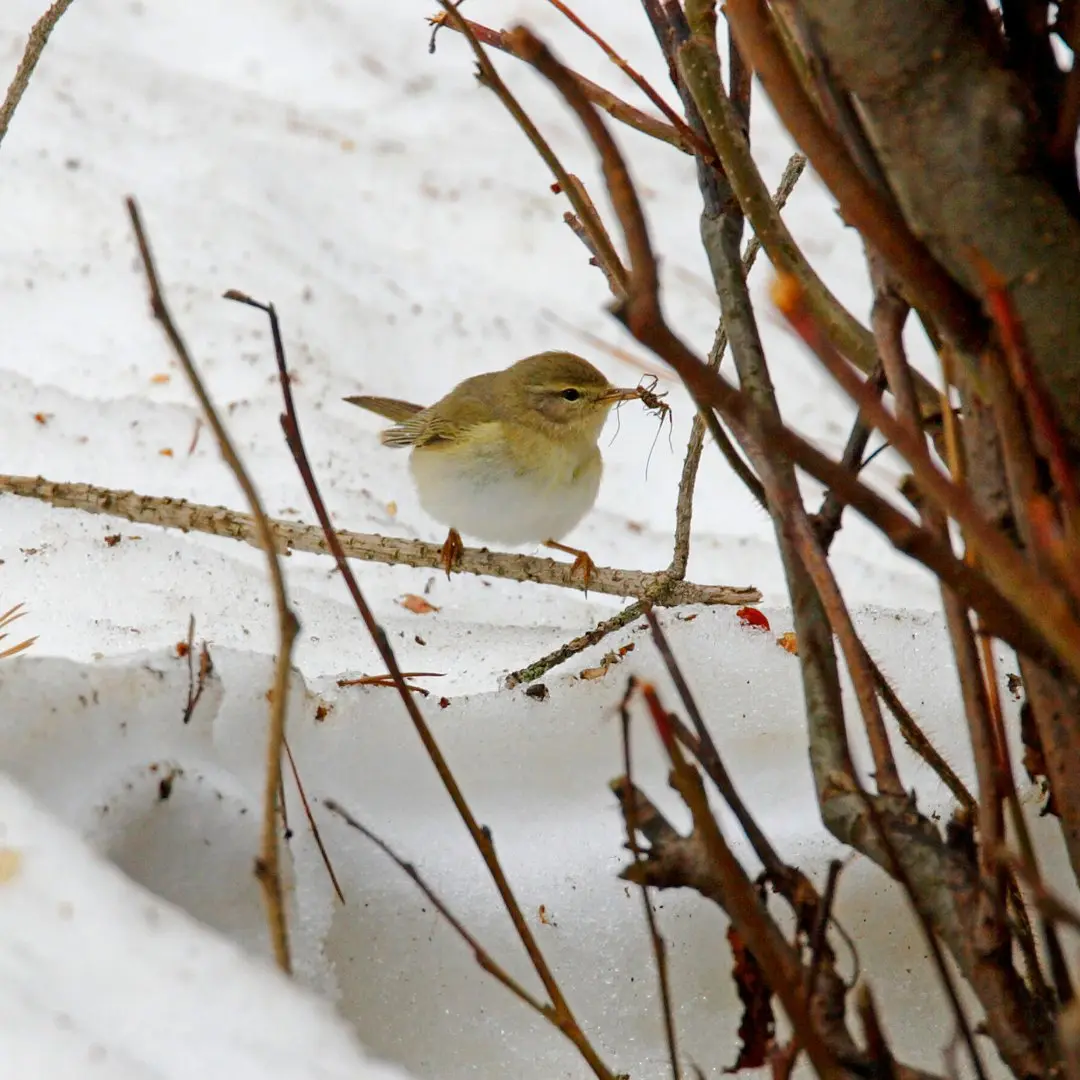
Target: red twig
<point>1041,414</point>
<point>676,121</point>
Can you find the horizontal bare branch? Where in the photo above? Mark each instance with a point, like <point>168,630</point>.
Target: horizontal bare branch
<point>659,587</point>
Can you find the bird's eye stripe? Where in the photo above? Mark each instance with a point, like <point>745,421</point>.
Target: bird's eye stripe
<point>571,394</point>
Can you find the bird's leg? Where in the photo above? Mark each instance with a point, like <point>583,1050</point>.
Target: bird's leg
<point>582,561</point>
<point>451,550</point>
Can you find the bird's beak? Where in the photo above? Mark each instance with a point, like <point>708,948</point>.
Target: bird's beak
<point>614,394</point>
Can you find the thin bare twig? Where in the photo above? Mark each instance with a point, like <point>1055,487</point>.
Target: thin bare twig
<point>196,682</point>
<point>827,519</point>
<point>312,824</point>
<point>6,619</point>
<point>821,925</point>
<point>658,946</point>
<point>576,645</point>
<point>35,45</point>
<point>489,77</point>
<point>481,955</point>
<point>614,275</point>
<point>268,864</point>
<point>707,419</point>
<point>614,106</point>
<point>700,146</point>
<point>917,739</point>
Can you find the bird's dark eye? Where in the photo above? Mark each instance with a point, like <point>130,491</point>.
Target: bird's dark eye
<point>571,394</point>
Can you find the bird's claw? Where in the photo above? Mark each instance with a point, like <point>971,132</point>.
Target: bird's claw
<point>582,561</point>
<point>452,550</point>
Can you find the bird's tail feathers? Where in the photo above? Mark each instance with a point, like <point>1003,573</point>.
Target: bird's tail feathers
<point>391,408</point>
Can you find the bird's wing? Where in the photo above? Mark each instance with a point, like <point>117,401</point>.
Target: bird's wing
<point>417,426</point>
<point>422,429</point>
<point>432,427</point>
<point>390,408</point>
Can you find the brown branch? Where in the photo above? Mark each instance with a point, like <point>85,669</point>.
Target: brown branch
<point>658,947</point>
<point>312,823</point>
<point>706,418</point>
<point>35,45</point>
<point>577,645</point>
<point>196,683</point>
<point>604,99</point>
<point>480,954</point>
<point>1048,612</point>
<point>6,619</point>
<point>614,275</point>
<point>827,519</point>
<point>587,215</point>
<point>918,741</point>
<point>369,547</point>
<point>788,179</point>
<point>699,146</point>
<point>268,864</point>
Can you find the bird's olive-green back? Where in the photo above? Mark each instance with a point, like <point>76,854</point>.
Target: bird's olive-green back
<point>491,397</point>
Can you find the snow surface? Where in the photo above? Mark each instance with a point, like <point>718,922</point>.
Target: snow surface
<point>313,154</point>
<point>101,979</point>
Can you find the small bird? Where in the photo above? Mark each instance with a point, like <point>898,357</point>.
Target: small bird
<point>511,456</point>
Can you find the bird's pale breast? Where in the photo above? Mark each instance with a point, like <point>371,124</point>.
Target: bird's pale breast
<point>538,492</point>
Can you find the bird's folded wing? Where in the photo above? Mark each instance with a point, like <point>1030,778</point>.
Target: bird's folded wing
<point>422,429</point>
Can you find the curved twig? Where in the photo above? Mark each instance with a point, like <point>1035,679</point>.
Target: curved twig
<point>35,45</point>
<point>268,864</point>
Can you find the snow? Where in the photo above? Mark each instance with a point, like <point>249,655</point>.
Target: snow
<point>314,155</point>
<point>536,772</point>
<point>101,979</point>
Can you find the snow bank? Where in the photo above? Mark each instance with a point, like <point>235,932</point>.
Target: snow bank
<point>100,978</point>
<point>176,807</point>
